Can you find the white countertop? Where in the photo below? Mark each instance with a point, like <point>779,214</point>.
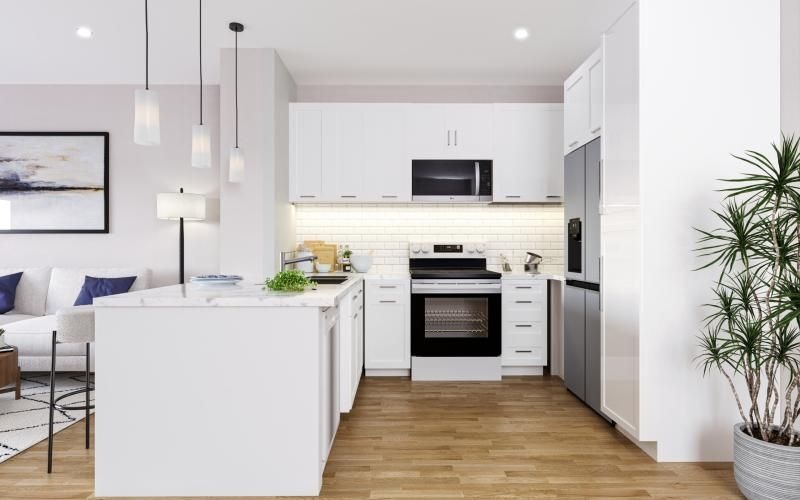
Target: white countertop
<point>527,276</point>
<point>241,295</point>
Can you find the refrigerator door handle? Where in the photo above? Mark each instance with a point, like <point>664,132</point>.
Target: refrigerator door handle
<point>600,288</point>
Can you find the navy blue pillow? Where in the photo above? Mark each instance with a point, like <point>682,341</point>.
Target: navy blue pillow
<point>8,291</point>
<point>100,287</point>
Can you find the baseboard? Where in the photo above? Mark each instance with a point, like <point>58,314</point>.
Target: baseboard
<point>513,371</point>
<point>395,372</point>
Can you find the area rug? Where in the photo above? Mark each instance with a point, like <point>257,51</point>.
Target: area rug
<point>24,422</point>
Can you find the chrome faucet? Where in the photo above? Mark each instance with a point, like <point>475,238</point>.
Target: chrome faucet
<point>294,260</point>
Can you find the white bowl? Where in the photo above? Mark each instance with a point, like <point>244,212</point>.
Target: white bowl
<point>323,268</point>
<point>361,263</point>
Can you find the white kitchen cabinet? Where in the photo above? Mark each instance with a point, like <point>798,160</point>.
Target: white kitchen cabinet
<point>528,160</point>
<point>583,103</point>
<point>449,131</point>
<point>387,168</point>
<point>349,154</point>
<point>387,326</point>
<point>524,323</point>
<point>351,342</point>
<point>306,152</point>
<point>329,382</point>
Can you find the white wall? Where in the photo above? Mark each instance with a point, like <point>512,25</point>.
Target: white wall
<point>709,87</point>
<point>137,174</point>
<point>430,93</point>
<point>256,222</point>
<point>385,230</point>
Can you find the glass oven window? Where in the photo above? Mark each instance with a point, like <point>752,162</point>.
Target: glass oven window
<point>453,317</point>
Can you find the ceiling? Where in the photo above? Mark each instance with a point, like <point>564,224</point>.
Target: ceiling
<point>325,42</point>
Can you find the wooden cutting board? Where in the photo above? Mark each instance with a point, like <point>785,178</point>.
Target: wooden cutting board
<point>326,253</point>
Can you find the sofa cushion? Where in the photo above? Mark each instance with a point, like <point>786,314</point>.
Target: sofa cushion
<point>32,289</point>
<point>66,283</point>
<point>8,291</point>
<point>13,317</point>
<point>102,287</point>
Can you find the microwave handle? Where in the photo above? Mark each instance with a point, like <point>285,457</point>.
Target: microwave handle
<point>477,178</point>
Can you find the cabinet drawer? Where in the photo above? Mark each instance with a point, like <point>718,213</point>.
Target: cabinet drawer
<point>526,288</point>
<point>525,312</point>
<point>524,356</point>
<point>524,335</point>
<point>387,292</point>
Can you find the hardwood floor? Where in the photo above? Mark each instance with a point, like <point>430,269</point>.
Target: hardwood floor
<point>520,438</point>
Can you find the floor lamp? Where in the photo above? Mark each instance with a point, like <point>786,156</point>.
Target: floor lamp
<point>181,206</point>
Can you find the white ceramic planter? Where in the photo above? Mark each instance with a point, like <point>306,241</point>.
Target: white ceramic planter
<point>764,470</point>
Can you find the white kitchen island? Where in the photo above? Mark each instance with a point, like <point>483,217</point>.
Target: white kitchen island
<point>216,391</point>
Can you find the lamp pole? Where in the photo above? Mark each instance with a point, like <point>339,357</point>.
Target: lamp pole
<point>180,249</point>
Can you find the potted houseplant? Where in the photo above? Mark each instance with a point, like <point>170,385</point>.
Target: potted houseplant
<point>752,333</point>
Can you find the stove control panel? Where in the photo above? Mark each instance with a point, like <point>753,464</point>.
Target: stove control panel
<point>447,250</point>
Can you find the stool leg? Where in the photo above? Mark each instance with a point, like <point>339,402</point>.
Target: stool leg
<point>87,395</point>
<point>52,405</point>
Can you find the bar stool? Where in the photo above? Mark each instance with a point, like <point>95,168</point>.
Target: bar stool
<point>73,325</point>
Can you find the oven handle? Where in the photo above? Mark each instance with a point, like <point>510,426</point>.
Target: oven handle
<point>488,288</point>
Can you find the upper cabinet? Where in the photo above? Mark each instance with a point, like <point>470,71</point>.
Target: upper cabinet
<point>528,162</point>
<point>449,131</point>
<point>583,103</point>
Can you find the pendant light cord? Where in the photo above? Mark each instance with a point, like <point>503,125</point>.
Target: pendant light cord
<point>146,50</point>
<point>236,83</point>
<point>201,60</point>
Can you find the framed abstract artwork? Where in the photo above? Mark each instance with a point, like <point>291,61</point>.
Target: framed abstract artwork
<point>53,182</point>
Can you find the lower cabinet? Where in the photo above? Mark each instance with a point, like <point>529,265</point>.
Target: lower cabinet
<point>329,382</point>
<point>351,346</point>
<point>387,326</point>
<point>524,319</point>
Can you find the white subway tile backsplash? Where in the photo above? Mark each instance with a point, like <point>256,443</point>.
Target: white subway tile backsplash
<point>386,230</point>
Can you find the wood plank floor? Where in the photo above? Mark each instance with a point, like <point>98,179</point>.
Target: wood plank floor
<point>520,438</point>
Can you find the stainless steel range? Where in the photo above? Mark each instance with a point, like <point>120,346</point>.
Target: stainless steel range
<point>455,313</point>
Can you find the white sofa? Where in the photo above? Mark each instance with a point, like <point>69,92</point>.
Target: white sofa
<point>40,294</point>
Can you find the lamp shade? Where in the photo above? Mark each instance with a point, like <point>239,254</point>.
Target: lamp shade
<point>185,206</point>
<point>146,128</point>
<point>236,165</point>
<point>201,146</point>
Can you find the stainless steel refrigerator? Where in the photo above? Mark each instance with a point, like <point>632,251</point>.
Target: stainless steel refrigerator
<point>582,293</point>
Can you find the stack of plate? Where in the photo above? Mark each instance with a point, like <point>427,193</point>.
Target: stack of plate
<point>216,279</point>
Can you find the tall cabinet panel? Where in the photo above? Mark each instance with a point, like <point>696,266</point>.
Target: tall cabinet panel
<point>591,239</point>
<point>575,340</point>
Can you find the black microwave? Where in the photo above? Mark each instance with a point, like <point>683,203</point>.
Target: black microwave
<point>459,181</point>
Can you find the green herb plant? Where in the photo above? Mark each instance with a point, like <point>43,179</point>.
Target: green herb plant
<point>289,281</point>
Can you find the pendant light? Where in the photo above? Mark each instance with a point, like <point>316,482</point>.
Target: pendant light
<point>201,138</point>
<point>146,129</point>
<point>236,158</point>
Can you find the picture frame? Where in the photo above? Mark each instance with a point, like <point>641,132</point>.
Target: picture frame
<point>54,182</point>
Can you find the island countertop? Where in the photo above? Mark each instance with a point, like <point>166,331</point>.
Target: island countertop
<point>240,295</point>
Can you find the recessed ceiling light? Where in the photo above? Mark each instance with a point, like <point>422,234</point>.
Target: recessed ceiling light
<point>84,32</point>
<point>521,34</point>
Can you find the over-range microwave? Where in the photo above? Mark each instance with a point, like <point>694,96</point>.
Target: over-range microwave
<point>452,181</point>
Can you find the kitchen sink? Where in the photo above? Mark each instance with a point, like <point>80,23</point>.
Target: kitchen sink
<point>328,280</point>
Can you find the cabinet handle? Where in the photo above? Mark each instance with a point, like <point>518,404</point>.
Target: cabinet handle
<point>388,302</point>
<point>523,351</point>
<point>595,130</point>
<point>456,136</point>
<point>600,288</point>
<point>348,196</point>
<point>307,196</point>
<point>355,298</point>
<point>387,286</point>
<point>448,138</point>
<point>523,287</point>
<point>524,302</point>
<point>388,196</point>
<point>572,144</point>
<point>524,326</point>
<point>553,196</point>
<point>513,196</point>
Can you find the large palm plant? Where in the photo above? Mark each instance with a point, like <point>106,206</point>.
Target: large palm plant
<point>753,329</point>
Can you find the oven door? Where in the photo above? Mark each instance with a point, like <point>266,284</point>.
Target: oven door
<point>449,323</point>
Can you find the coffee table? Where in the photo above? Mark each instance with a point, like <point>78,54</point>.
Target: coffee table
<point>9,372</point>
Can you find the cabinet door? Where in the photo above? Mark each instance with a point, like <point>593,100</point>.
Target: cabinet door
<point>470,126</point>
<point>528,162</point>
<point>387,172</point>
<point>591,233</point>
<point>593,360</point>
<point>349,160</point>
<point>306,154</point>
<point>595,74</point>
<point>575,340</point>
<point>387,325</point>
<point>576,111</point>
<point>426,133</point>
